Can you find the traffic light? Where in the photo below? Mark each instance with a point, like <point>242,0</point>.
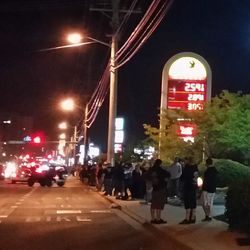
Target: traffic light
<point>37,139</point>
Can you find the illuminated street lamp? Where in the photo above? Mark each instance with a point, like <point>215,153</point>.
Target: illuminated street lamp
<point>62,125</point>
<point>76,38</point>
<point>62,136</point>
<point>68,104</point>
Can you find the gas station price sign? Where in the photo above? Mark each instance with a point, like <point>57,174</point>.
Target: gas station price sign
<point>186,94</point>
<point>186,85</point>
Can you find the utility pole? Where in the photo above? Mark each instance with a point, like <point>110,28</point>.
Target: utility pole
<point>113,74</point>
<point>113,84</point>
<point>85,137</point>
<point>74,144</point>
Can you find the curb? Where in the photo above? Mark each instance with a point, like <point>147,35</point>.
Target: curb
<point>147,225</point>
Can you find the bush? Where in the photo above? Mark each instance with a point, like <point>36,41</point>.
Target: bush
<point>229,172</point>
<point>238,204</point>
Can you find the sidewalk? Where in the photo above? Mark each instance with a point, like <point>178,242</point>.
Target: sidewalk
<point>200,236</point>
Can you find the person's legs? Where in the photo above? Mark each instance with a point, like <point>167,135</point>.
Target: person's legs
<point>193,205</point>
<point>158,214</point>
<point>153,214</point>
<point>207,205</point>
<point>187,204</point>
<point>193,215</point>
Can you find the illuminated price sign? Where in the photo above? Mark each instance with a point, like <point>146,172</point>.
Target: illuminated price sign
<point>186,94</point>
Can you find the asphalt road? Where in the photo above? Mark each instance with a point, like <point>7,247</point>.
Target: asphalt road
<point>69,217</point>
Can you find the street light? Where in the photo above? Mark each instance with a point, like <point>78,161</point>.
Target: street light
<point>76,39</point>
<point>62,125</point>
<point>62,136</point>
<point>68,104</point>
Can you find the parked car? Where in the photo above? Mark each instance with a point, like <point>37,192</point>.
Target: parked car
<point>1,172</point>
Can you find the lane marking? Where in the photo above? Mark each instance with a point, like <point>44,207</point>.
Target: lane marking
<point>68,211</point>
<point>18,203</point>
<point>66,206</point>
<point>57,219</point>
<point>62,218</point>
<point>80,219</point>
<point>3,216</point>
<point>14,206</point>
<point>101,211</point>
<point>33,219</point>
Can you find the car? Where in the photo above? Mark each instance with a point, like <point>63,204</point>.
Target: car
<point>22,174</point>
<point>47,174</point>
<point>1,172</point>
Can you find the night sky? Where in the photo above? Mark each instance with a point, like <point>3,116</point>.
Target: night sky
<point>33,82</point>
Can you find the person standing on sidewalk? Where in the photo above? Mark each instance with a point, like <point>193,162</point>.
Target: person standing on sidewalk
<point>108,178</point>
<point>208,189</point>
<point>175,171</point>
<point>159,193</point>
<point>189,178</point>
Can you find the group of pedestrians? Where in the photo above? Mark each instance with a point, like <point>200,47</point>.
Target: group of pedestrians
<point>123,180</point>
<point>155,184</point>
<point>183,183</point>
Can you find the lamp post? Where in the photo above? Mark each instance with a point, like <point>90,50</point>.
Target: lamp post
<point>76,38</point>
<point>69,105</point>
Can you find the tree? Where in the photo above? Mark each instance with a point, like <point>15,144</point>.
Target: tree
<point>171,145</point>
<point>223,129</point>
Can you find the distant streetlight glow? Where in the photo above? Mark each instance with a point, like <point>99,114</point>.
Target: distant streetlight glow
<point>68,104</point>
<point>62,125</point>
<point>7,122</point>
<point>62,136</point>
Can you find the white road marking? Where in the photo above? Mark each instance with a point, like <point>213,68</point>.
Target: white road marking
<point>3,216</point>
<point>80,219</point>
<point>62,218</point>
<point>64,206</point>
<point>33,219</point>
<point>57,219</point>
<point>18,203</point>
<point>14,206</point>
<point>68,211</point>
<point>58,198</point>
<point>101,211</point>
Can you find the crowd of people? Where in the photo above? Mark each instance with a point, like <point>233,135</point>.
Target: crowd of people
<point>155,184</point>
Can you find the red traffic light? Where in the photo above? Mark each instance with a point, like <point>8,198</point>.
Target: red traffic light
<point>37,140</point>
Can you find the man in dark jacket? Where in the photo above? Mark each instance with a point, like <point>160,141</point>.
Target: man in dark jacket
<point>209,188</point>
<point>159,177</point>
